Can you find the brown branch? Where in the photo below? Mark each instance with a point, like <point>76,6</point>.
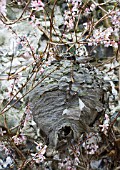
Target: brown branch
<point>11,23</point>
<point>3,110</point>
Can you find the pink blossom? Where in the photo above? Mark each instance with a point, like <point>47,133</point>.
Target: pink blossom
<point>101,36</point>
<point>71,14</point>
<point>3,7</point>
<point>28,114</point>
<point>90,43</point>
<point>4,148</point>
<point>104,128</point>
<point>92,7</point>
<point>37,5</point>
<point>115,18</point>
<point>90,148</point>
<point>19,139</point>
<point>41,70</point>
<point>107,43</point>
<point>39,157</point>
<point>115,45</point>
<point>32,20</point>
<point>105,124</point>
<point>2,132</point>
<point>87,11</point>
<point>68,163</point>
<point>107,117</point>
<point>77,161</point>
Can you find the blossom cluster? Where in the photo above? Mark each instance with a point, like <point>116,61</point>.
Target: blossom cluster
<point>71,161</point>
<point>102,36</point>
<point>6,160</point>
<point>70,15</point>
<point>105,125</point>
<point>4,148</point>
<point>19,139</point>
<point>28,115</point>
<point>39,157</point>
<point>88,11</point>
<point>115,18</point>
<point>68,163</point>
<point>34,21</point>
<point>91,144</point>
<point>37,5</point>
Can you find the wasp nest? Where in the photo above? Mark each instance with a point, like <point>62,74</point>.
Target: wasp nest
<point>68,101</point>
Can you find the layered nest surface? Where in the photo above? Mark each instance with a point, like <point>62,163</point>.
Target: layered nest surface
<point>68,101</point>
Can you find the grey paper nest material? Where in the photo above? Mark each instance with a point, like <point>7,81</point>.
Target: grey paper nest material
<point>67,101</point>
